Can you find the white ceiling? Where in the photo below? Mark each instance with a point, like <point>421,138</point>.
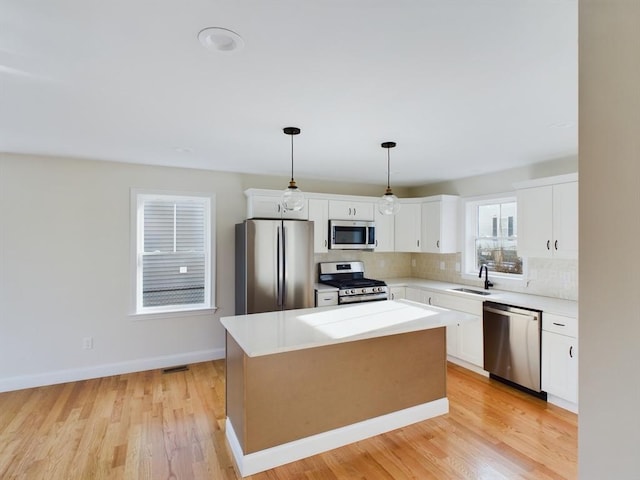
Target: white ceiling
<point>464,87</point>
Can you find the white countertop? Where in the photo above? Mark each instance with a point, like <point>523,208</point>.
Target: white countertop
<point>276,332</point>
<point>557,306</point>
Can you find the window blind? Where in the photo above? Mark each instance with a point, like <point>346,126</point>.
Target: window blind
<point>174,253</point>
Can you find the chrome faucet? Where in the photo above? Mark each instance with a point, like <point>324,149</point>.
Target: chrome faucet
<point>487,283</point>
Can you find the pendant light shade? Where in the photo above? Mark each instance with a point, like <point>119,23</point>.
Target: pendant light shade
<point>292,197</point>
<point>388,204</point>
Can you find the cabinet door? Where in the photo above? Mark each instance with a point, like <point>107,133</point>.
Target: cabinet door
<point>319,214</point>
<point>350,210</point>
<point>430,223</point>
<point>267,206</point>
<point>560,366</point>
<point>452,340</point>
<point>407,228</point>
<point>439,225</point>
<point>535,221</point>
<point>396,293</point>
<point>548,221</point>
<point>565,220</point>
<point>470,345</point>
<point>384,232</point>
<point>415,295</point>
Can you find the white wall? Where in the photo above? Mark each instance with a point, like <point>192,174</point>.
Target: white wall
<point>609,422</point>
<point>65,272</point>
<point>498,182</point>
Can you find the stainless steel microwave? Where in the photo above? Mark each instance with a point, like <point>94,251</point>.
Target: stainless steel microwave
<point>352,235</point>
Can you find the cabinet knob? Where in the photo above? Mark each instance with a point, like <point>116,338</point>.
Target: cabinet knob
<point>555,244</point>
<point>325,242</point>
<point>438,244</point>
<point>548,244</point>
<point>571,351</point>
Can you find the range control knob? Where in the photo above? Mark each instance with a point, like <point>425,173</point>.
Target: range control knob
<point>364,290</point>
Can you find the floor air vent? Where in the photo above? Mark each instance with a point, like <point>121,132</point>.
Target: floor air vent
<point>180,368</point>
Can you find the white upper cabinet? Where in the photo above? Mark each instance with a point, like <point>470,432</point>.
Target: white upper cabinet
<point>407,227</point>
<point>439,224</point>
<point>350,210</point>
<point>265,204</point>
<point>319,214</point>
<point>385,234</point>
<point>548,221</point>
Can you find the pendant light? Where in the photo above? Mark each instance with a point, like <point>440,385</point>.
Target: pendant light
<point>292,197</point>
<point>388,204</point>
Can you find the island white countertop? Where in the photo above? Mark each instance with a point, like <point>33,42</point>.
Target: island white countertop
<point>283,331</point>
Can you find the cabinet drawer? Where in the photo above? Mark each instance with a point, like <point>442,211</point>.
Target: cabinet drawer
<point>453,302</point>
<point>558,324</point>
<point>324,299</point>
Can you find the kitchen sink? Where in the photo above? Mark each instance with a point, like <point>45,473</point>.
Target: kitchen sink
<point>471,290</point>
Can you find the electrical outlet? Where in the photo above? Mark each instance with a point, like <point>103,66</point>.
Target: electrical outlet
<point>87,343</point>
<point>413,262</point>
<point>441,265</point>
<point>183,269</point>
<point>457,266</point>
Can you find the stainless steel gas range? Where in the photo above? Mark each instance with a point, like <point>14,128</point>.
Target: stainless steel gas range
<point>349,279</point>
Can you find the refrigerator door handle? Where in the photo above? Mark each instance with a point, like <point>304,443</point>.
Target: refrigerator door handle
<point>283,262</point>
<point>280,265</point>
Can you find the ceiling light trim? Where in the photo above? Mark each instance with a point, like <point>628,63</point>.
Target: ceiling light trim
<point>220,39</point>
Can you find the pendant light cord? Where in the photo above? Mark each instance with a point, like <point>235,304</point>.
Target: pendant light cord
<point>388,169</point>
<point>292,158</point>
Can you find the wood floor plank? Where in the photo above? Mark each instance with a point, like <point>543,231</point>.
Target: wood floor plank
<point>150,426</point>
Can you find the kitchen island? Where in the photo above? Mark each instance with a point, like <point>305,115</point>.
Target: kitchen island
<point>300,382</point>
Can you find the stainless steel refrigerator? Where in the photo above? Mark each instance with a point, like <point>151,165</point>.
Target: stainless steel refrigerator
<point>274,265</point>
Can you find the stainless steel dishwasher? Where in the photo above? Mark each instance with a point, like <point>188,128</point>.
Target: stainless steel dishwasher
<point>512,338</point>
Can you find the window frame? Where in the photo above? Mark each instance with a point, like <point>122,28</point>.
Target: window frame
<point>137,197</point>
<point>470,223</point>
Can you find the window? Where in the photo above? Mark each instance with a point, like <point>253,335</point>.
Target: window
<point>492,236</point>
<point>173,252</point>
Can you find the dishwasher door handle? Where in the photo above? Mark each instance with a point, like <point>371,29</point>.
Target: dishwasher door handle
<point>509,313</point>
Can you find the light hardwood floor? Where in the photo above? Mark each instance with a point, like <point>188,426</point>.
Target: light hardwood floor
<point>156,426</point>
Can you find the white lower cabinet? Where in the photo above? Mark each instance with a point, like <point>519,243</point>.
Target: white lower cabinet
<point>397,293</point>
<point>464,340</point>
<point>470,347</point>
<point>560,357</point>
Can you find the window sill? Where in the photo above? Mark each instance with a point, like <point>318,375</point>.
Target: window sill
<point>173,314</point>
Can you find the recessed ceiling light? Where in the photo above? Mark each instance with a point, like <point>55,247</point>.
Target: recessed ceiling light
<point>220,39</point>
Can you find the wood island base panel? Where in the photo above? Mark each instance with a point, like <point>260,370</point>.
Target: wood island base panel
<point>287,406</point>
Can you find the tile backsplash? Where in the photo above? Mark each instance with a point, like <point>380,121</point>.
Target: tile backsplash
<point>548,277</point>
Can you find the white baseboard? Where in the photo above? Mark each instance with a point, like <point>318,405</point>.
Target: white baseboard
<point>106,370</point>
<point>468,366</point>
<point>562,403</point>
<point>305,447</point>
